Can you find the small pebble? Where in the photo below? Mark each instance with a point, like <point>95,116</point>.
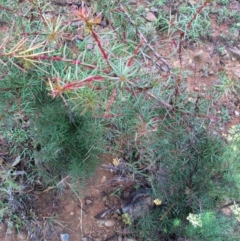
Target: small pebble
<point>89,46</point>
<point>109,223</point>
<point>104,198</point>
<point>118,211</point>
<point>210,72</point>
<point>151,17</point>
<point>235,52</point>
<point>88,201</point>
<point>196,89</point>
<point>237,113</point>
<point>72,213</point>
<point>126,194</point>
<point>153,9</point>
<point>198,56</point>
<point>100,223</point>
<point>103,24</point>
<point>120,238</point>
<point>64,237</point>
<point>77,23</point>
<point>103,179</point>
<point>132,2</point>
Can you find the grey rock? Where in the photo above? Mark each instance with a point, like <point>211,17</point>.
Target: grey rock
<point>64,237</point>
<point>235,52</point>
<point>120,238</point>
<point>118,211</point>
<point>103,23</point>
<point>138,203</point>
<point>85,239</point>
<point>126,194</point>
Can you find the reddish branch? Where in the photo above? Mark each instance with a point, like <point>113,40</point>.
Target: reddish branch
<point>40,12</point>
<point>198,12</point>
<point>6,8</point>
<point>41,15</point>
<point>178,85</point>
<point>78,84</point>
<point>58,89</point>
<point>110,103</point>
<point>105,56</point>
<point>134,53</point>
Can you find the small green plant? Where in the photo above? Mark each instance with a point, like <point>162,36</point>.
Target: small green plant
<point>227,16</point>
<point>181,22</point>
<point>228,85</point>
<point>223,2</point>
<point>13,199</point>
<point>211,226</point>
<point>117,193</point>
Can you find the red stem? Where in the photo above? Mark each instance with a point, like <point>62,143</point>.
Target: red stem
<point>41,15</point>
<point>79,84</point>
<point>6,8</point>
<point>110,103</point>
<point>95,36</point>
<point>134,53</point>
<point>182,34</point>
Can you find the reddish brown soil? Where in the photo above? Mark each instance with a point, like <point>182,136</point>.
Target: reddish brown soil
<point>79,213</point>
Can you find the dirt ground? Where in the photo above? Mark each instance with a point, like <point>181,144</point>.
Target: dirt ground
<point>80,216</point>
<point>91,212</point>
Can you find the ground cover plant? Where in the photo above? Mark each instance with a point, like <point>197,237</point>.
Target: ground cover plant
<point>83,78</point>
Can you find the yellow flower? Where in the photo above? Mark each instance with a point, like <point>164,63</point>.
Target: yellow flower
<point>157,202</point>
<point>115,161</point>
<point>195,219</point>
<point>236,211</point>
<point>126,219</point>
